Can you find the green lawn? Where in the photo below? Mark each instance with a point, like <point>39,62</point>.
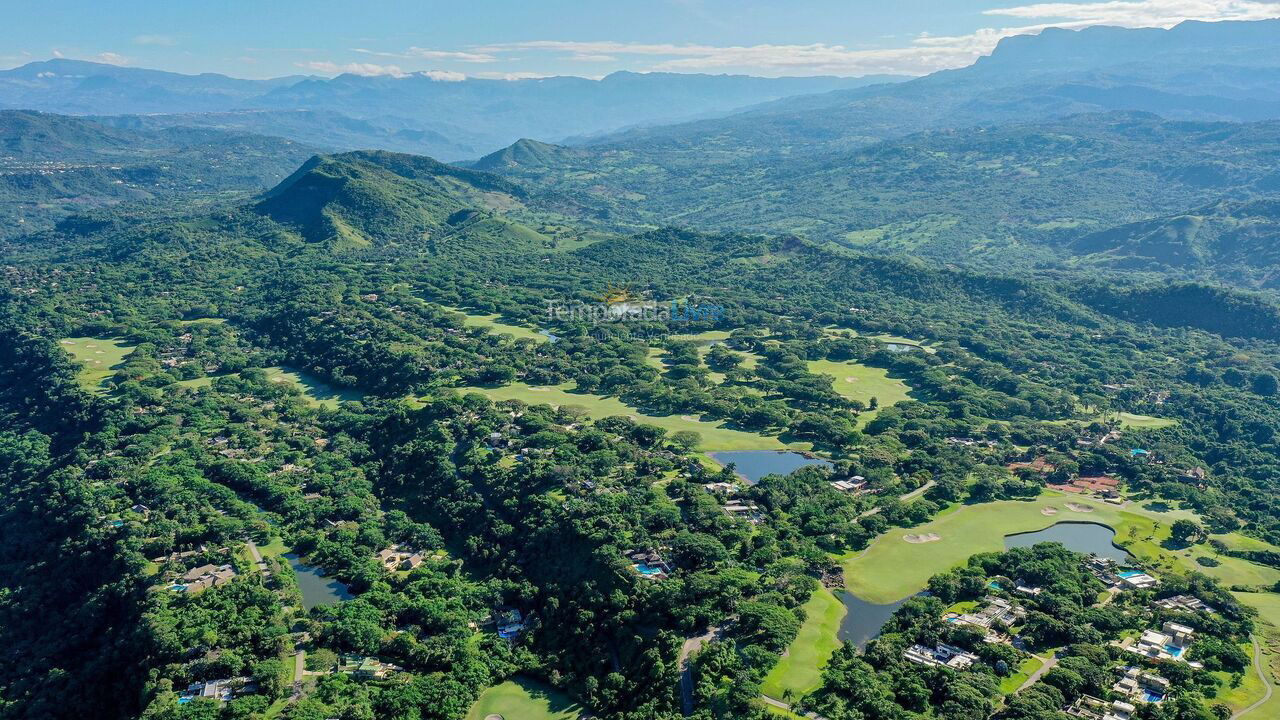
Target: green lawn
<point>316,391</point>
<point>715,436</point>
<point>861,382</point>
<point>800,670</point>
<point>1268,634</point>
<point>494,324</point>
<point>99,359</point>
<point>524,699</point>
<point>1143,422</point>
<point>1010,685</point>
<point>891,568</point>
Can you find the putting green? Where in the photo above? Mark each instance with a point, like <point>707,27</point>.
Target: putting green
<point>715,436</point>
<point>800,670</point>
<point>524,699</point>
<point>861,382</point>
<point>99,359</point>
<point>892,568</point>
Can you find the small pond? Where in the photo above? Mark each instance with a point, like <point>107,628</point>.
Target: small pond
<point>1082,537</point>
<point>316,588</point>
<point>863,620</point>
<point>752,465</point>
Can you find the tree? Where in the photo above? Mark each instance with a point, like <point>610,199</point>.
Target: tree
<point>1184,531</point>
<point>687,439</point>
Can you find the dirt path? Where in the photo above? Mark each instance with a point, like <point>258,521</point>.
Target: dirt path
<point>1262,673</point>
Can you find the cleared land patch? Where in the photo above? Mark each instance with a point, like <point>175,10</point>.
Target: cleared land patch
<point>99,359</point>
<point>862,382</point>
<point>715,436</point>
<point>800,670</point>
<point>524,699</point>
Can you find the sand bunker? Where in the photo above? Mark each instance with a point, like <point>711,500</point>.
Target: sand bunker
<point>1077,507</point>
<point>851,380</point>
<point>1049,511</point>
<point>494,716</point>
<point>925,538</point>
<point>688,418</point>
<point>538,389</point>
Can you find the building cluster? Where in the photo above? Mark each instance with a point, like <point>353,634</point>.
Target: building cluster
<point>997,612</point>
<point>203,577</point>
<point>398,558</point>
<point>649,564</point>
<point>1110,572</point>
<point>1139,685</point>
<point>224,690</point>
<point>1184,603</point>
<point>1170,642</point>
<point>941,655</point>
<point>1092,708</point>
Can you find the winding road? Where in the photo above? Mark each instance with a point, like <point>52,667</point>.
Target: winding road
<point>1262,673</point>
<point>692,645</point>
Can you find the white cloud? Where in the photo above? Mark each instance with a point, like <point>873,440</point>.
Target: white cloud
<point>366,69</point>
<point>111,58</point>
<point>512,76</point>
<point>163,40</point>
<point>926,53</point>
<point>442,75</point>
<point>1143,13</point>
<point>428,54</point>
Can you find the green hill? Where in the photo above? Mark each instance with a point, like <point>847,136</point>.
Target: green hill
<point>363,198</point>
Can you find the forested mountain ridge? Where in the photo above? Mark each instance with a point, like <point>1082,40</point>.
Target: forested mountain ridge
<point>1238,238</point>
<point>988,195</point>
<point>54,165</point>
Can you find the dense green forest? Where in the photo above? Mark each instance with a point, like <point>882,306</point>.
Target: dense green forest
<point>885,399</point>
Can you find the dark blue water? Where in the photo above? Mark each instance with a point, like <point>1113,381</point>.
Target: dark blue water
<point>316,588</point>
<point>751,465</point>
<point>863,620</point>
<point>1082,537</point>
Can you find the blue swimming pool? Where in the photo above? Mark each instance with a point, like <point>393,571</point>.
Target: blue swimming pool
<point>1148,696</point>
<point>1129,573</point>
<point>644,569</point>
<point>1173,650</point>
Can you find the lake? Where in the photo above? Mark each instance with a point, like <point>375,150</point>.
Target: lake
<point>316,588</point>
<point>863,620</point>
<point>1082,537</point>
<point>752,465</point>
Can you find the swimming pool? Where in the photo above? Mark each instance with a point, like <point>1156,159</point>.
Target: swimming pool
<point>1173,650</point>
<point>644,569</point>
<point>1148,696</point>
<point>1130,573</point>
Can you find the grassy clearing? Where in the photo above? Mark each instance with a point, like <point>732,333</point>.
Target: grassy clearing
<point>800,670</point>
<point>714,436</point>
<point>1268,633</point>
<point>1010,685</point>
<point>861,382</point>
<point>99,359</point>
<point>493,323</point>
<point>1130,421</point>
<point>317,392</point>
<point>524,699</point>
<point>892,569</point>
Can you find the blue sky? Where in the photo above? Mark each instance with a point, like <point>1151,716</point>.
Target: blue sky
<point>522,38</point>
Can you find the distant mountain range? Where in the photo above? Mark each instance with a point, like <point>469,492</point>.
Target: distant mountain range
<point>52,166</point>
<point>417,112</point>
